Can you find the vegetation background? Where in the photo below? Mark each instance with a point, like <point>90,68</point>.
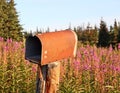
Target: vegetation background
<point>96,68</point>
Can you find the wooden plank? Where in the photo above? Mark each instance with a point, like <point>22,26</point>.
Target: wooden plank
<point>41,79</point>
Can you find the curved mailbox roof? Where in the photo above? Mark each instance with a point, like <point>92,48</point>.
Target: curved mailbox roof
<point>56,46</point>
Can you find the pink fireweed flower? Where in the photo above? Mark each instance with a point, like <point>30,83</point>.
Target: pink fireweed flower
<point>34,69</point>
<point>23,50</point>
<point>110,48</point>
<point>1,39</point>
<point>16,46</point>
<point>6,48</point>
<point>78,54</point>
<point>9,40</point>
<point>119,46</point>
<point>86,67</point>
<point>103,67</point>
<point>86,52</point>
<point>27,62</point>
<point>76,64</point>
<point>92,52</point>
<point>117,68</point>
<point>96,59</point>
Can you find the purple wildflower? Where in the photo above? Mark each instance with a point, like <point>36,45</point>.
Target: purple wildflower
<point>110,48</point>
<point>1,39</point>
<point>77,64</point>
<point>9,40</point>
<point>34,69</point>
<point>119,46</point>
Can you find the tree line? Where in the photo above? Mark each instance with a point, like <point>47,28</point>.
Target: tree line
<point>102,36</point>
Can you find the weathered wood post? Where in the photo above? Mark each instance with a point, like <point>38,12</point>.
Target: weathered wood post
<point>41,79</point>
<point>48,78</point>
<point>46,50</point>
<point>53,77</point>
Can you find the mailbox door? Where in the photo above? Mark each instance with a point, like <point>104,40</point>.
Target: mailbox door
<point>33,49</point>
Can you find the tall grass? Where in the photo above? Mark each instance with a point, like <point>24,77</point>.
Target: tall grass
<point>16,74</point>
<point>94,70</point>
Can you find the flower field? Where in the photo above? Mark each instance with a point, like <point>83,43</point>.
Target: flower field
<point>16,74</point>
<point>93,70</point>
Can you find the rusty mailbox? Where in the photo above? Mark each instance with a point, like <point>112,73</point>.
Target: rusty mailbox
<point>50,47</point>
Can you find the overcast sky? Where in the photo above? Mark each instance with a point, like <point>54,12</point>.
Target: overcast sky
<point>58,14</point>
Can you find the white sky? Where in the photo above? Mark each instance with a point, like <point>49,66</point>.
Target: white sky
<point>58,14</point>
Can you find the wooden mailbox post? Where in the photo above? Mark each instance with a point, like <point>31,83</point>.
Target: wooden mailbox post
<point>47,50</point>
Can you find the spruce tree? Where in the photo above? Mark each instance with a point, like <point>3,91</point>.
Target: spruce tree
<point>3,17</point>
<point>111,35</point>
<point>118,37</point>
<point>115,32</point>
<point>103,39</point>
<point>10,23</point>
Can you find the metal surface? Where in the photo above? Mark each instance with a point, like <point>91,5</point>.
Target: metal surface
<point>50,47</point>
